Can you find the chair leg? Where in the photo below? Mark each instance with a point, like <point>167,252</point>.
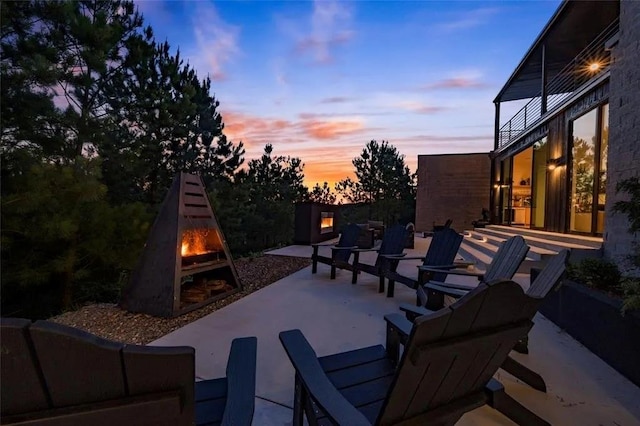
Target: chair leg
<point>381,284</point>
<point>525,374</point>
<point>434,299</point>
<point>390,288</point>
<point>354,275</point>
<point>314,258</point>
<point>522,346</point>
<point>299,398</point>
<point>333,271</point>
<point>501,401</point>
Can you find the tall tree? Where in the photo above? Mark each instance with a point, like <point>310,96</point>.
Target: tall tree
<point>383,182</point>
<point>93,39</point>
<point>166,122</point>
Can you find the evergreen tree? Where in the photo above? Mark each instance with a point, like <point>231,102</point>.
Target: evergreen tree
<point>383,182</point>
<point>322,194</point>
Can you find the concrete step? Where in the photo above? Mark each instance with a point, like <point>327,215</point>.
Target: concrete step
<point>489,244</point>
<point>534,241</point>
<point>482,255</point>
<point>568,240</point>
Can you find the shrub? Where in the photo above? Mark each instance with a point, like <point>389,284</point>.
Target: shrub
<point>631,289</point>
<point>598,273</point>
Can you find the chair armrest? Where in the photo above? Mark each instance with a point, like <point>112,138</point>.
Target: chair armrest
<point>400,325</point>
<point>344,248</point>
<point>478,275</point>
<point>412,312</point>
<point>399,256</point>
<point>446,290</point>
<point>451,285</point>
<point>314,379</point>
<point>241,382</point>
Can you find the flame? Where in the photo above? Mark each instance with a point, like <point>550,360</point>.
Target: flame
<point>194,242</point>
<point>327,222</point>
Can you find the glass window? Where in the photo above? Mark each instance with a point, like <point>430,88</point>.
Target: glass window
<point>583,170</point>
<point>602,172</point>
<point>540,157</point>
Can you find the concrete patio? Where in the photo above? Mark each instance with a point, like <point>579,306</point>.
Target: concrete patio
<point>336,316</point>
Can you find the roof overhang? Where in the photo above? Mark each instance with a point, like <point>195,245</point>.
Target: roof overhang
<point>573,26</point>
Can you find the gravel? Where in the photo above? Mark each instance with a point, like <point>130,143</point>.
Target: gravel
<point>111,322</point>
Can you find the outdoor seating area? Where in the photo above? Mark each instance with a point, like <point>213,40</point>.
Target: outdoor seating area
<point>343,331</point>
<point>335,317</point>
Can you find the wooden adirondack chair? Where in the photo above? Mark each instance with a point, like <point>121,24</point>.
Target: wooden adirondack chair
<point>549,279</point>
<point>393,243</point>
<point>340,253</point>
<point>58,375</point>
<point>440,254</point>
<point>504,266</point>
<point>445,370</point>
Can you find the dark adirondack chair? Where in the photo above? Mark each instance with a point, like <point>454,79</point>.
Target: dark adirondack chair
<point>58,375</point>
<point>340,253</point>
<point>504,265</point>
<point>440,254</point>
<point>547,280</point>
<point>445,370</point>
<point>393,243</point>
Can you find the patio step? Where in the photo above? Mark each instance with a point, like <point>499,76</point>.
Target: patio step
<point>489,244</point>
<point>542,244</point>
<point>482,254</point>
<point>553,240</point>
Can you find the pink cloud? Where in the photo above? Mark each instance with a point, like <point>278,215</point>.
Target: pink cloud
<point>455,83</point>
<point>336,100</point>
<point>330,23</point>
<point>419,107</point>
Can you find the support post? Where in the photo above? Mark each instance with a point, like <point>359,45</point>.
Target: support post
<point>543,97</point>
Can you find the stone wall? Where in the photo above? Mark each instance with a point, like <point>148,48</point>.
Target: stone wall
<point>624,131</point>
<point>455,186</point>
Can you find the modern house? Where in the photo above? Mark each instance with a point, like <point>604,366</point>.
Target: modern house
<point>556,162</point>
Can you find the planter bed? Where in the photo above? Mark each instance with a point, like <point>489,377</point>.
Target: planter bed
<point>594,319</point>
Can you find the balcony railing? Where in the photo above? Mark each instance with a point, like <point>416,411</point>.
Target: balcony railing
<point>577,73</point>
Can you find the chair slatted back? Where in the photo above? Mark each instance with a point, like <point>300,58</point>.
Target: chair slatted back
<point>393,242</point>
<point>47,368</point>
<point>348,238</point>
<point>442,250</point>
<point>452,353</point>
<point>550,276</point>
<point>507,259</point>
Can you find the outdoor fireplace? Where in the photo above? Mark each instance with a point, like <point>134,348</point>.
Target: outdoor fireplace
<point>315,222</point>
<point>326,222</point>
<point>186,263</point>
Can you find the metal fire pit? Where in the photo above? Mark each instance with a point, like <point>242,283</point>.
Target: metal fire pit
<point>186,263</point>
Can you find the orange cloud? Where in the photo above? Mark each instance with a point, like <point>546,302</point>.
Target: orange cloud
<point>330,129</point>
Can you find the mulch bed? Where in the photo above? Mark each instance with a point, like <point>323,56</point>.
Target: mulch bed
<point>113,323</point>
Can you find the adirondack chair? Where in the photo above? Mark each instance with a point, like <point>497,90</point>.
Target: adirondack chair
<point>393,243</point>
<point>58,375</point>
<point>549,279</point>
<point>504,265</point>
<point>445,370</point>
<point>440,254</point>
<point>340,253</point>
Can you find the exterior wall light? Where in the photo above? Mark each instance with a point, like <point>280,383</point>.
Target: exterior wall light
<point>554,163</point>
<point>594,66</point>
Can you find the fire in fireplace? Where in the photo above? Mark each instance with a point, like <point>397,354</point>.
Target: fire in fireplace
<point>326,222</point>
<point>200,245</point>
<point>186,263</point>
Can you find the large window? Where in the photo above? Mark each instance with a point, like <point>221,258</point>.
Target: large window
<point>590,140</point>
<point>539,194</point>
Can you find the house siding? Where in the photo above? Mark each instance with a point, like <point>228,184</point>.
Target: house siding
<point>624,131</point>
<point>454,186</point>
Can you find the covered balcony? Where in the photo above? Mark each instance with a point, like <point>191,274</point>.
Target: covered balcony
<point>569,59</point>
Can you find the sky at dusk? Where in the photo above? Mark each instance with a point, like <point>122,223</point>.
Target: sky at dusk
<point>319,79</point>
